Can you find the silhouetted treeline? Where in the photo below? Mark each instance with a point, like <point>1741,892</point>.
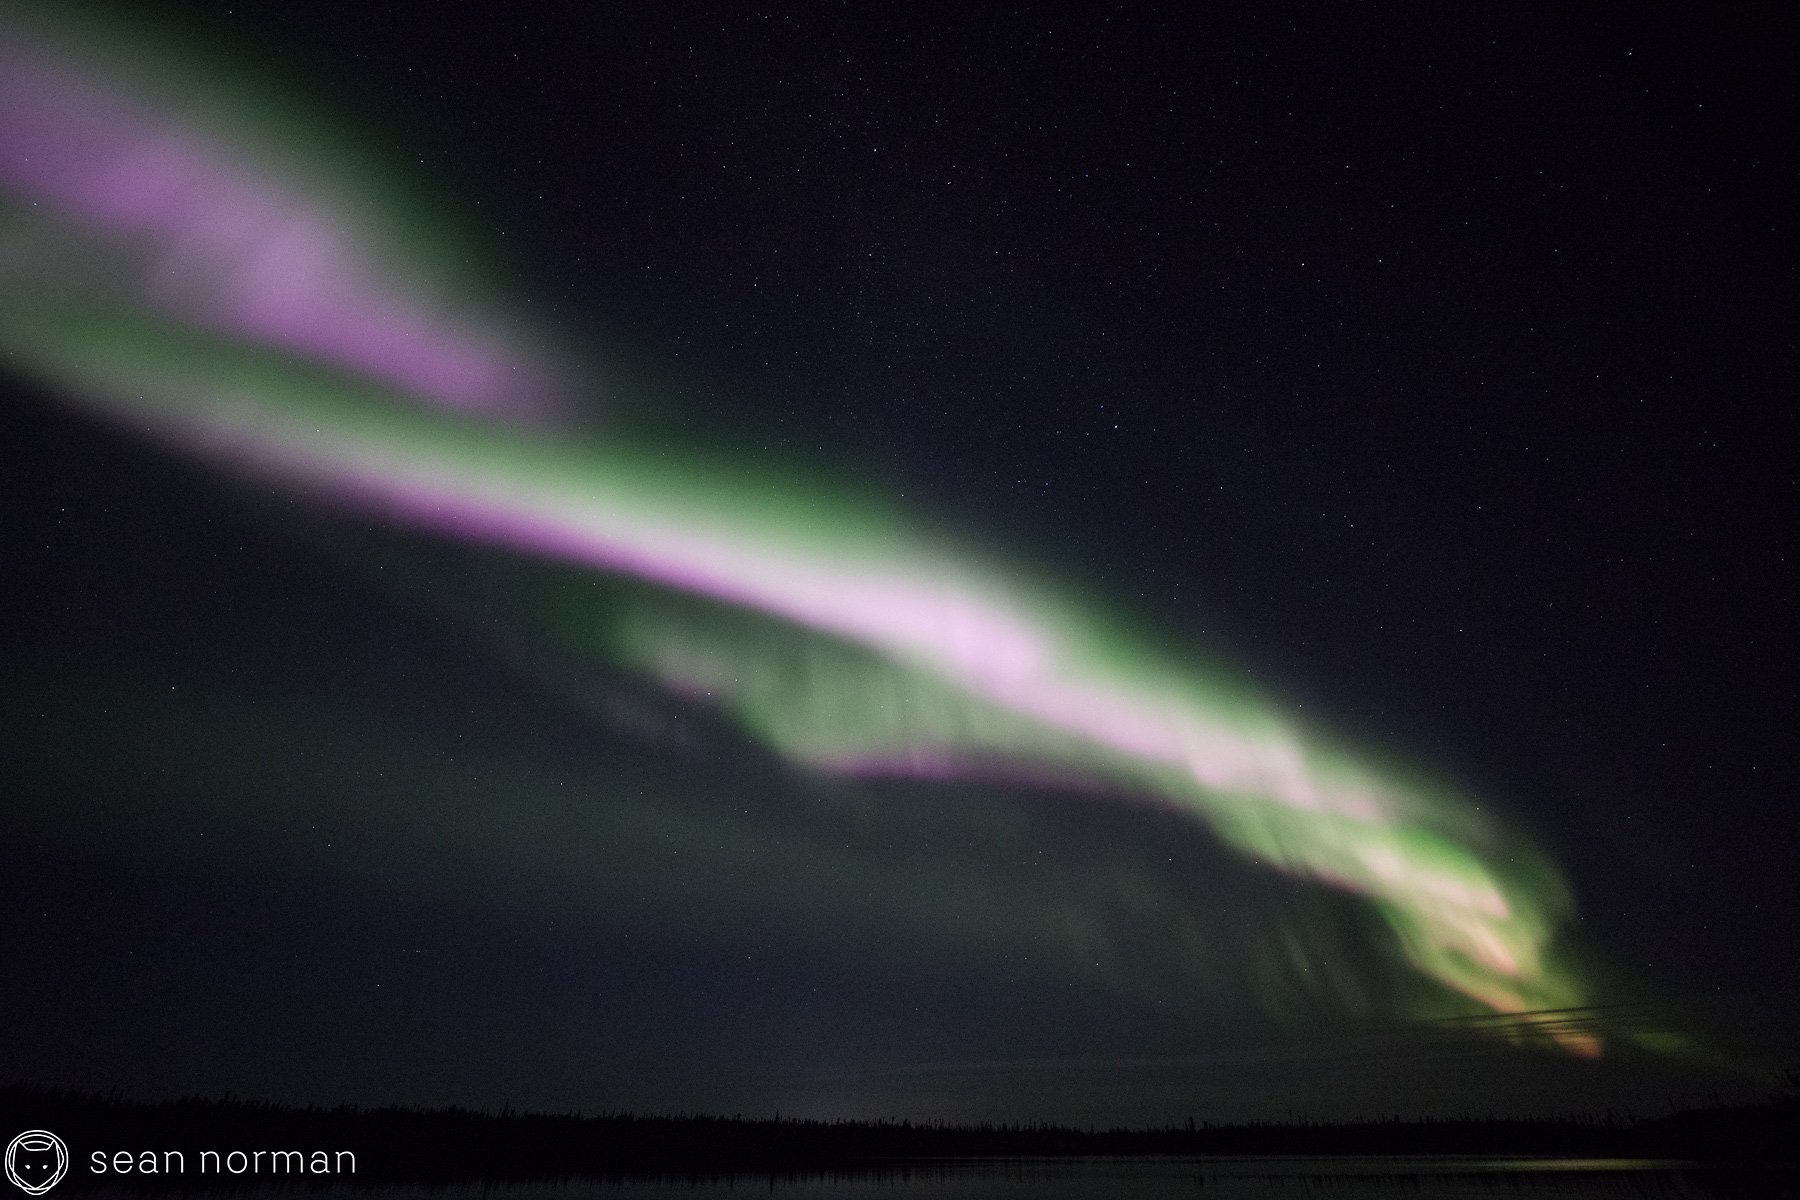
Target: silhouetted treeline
<point>453,1144</point>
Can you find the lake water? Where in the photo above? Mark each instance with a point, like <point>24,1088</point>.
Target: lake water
<point>1438,1178</point>
<point>1219,1179</point>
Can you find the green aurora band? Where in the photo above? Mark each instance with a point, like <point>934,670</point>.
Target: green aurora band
<point>222,292</point>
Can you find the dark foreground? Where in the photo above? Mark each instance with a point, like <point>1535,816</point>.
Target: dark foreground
<point>442,1146</point>
<point>1360,1178</point>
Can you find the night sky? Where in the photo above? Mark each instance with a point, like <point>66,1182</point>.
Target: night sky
<point>1420,371</point>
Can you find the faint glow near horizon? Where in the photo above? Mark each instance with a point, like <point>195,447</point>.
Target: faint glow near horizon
<point>201,290</point>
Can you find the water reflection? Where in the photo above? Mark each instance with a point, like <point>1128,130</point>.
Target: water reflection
<point>1434,1178</point>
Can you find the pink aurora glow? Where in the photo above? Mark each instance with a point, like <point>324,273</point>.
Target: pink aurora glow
<point>994,653</point>
<point>236,246</point>
<point>240,249</point>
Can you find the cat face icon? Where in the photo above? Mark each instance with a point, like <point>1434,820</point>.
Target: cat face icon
<point>36,1160</point>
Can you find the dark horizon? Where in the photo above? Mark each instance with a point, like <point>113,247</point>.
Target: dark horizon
<point>110,1139</point>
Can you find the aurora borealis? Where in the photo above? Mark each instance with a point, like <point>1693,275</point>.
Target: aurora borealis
<point>212,275</point>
